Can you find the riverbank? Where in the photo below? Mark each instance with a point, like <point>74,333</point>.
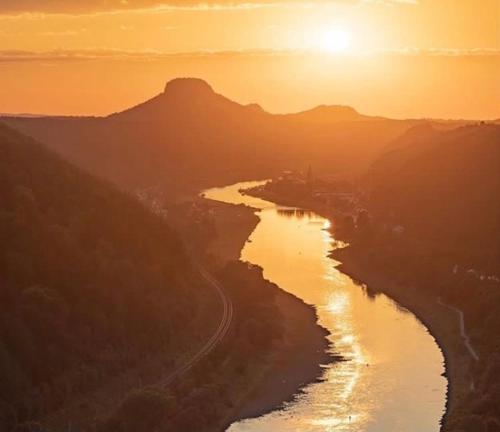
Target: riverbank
<point>233,225</point>
<point>441,322</point>
<point>296,362</point>
<point>298,358</point>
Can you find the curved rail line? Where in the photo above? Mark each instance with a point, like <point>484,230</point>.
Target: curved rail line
<point>186,364</point>
<point>219,334</point>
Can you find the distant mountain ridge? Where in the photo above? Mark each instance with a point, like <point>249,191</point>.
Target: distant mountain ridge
<point>330,113</point>
<point>193,96</point>
<point>23,115</point>
<point>185,97</point>
<point>189,136</point>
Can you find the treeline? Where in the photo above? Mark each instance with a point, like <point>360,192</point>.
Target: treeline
<point>442,189</point>
<point>433,222</point>
<point>189,138</point>
<point>91,283</point>
<point>207,398</point>
<point>432,273</point>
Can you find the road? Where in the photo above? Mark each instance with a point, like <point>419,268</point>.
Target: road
<point>463,333</point>
<point>217,336</point>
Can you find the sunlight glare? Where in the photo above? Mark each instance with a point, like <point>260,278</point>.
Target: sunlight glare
<point>334,40</point>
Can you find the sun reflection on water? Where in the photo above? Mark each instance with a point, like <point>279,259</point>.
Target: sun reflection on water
<point>382,382</point>
<point>337,302</point>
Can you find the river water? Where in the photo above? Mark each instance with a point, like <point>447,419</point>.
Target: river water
<point>392,378</point>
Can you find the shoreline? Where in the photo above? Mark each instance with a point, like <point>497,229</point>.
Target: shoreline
<point>438,321</point>
<point>298,360</point>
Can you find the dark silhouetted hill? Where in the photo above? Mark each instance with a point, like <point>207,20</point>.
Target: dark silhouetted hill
<point>187,99</point>
<point>434,198</point>
<point>443,187</point>
<point>99,300</point>
<point>191,137</point>
<point>329,114</point>
<point>91,283</point>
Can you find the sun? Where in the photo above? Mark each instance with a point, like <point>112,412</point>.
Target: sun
<point>334,40</point>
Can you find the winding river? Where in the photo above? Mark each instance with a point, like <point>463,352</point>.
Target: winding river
<point>392,378</point>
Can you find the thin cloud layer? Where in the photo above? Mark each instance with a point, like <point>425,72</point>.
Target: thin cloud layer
<point>90,6</point>
<point>104,54</point>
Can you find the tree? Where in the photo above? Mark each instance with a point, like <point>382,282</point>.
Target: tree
<point>142,410</point>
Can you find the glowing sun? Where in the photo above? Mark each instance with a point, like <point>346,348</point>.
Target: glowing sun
<point>334,40</point>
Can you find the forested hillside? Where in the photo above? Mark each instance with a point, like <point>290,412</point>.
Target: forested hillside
<point>442,188</point>
<point>91,283</point>
<point>190,137</point>
<point>434,229</point>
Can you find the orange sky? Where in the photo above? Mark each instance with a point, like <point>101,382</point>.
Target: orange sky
<point>407,58</point>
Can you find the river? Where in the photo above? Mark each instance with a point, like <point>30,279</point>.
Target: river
<point>391,380</point>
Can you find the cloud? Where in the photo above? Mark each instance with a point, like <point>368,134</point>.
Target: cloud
<point>390,2</point>
<point>93,6</point>
<point>108,54</point>
<point>448,52</point>
<point>62,33</point>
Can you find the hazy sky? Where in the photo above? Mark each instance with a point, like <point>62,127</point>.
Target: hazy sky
<point>407,58</point>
